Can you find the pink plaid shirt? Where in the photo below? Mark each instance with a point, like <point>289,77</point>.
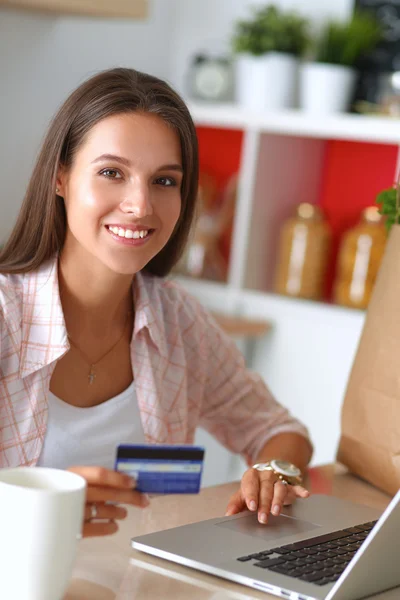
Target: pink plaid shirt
<point>187,371</point>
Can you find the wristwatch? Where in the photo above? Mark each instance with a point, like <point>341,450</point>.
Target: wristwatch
<point>284,470</point>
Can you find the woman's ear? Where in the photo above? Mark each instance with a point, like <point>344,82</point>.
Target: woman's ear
<point>60,182</point>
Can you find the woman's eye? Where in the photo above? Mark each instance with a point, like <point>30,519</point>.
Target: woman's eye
<point>166,181</point>
<point>111,173</point>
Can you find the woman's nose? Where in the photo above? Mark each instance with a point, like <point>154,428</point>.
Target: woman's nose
<point>138,202</point>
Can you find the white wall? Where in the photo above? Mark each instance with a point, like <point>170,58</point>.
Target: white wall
<point>43,58</point>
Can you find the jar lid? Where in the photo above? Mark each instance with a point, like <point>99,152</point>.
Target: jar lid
<point>305,210</point>
<point>371,214</point>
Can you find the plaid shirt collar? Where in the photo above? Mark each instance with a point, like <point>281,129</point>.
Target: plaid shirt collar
<point>43,324</point>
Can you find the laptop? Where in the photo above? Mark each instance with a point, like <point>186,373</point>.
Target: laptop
<point>321,548</point>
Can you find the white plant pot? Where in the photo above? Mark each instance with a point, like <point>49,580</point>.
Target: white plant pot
<point>326,88</point>
<point>267,82</point>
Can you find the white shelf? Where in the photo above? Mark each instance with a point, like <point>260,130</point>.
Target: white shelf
<point>296,123</point>
<point>208,291</point>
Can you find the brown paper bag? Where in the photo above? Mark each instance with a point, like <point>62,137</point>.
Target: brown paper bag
<point>370,432</point>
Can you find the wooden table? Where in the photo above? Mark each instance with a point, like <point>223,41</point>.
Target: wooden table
<point>108,569</point>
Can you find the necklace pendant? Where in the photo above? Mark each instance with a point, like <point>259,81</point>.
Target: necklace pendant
<point>91,375</point>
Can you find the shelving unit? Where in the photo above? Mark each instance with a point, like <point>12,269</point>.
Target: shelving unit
<point>291,157</point>
<point>339,162</point>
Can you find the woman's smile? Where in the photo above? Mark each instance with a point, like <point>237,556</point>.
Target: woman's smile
<point>130,236</point>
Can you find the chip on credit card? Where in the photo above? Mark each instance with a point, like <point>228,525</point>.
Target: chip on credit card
<point>162,468</point>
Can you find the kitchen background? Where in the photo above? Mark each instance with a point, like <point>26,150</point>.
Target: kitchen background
<point>303,348</point>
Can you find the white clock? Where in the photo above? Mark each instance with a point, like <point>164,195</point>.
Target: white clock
<point>212,79</point>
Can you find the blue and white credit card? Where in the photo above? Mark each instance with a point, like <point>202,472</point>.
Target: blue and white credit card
<point>162,469</point>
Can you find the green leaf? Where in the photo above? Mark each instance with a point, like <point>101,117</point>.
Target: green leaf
<point>387,199</point>
<point>271,29</point>
<point>343,43</point>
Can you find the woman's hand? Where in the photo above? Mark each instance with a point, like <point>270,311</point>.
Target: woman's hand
<point>262,491</point>
<point>104,487</point>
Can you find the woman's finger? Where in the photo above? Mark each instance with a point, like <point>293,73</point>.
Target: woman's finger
<point>99,476</point>
<point>104,511</point>
<point>95,529</point>
<point>296,491</point>
<point>300,491</point>
<point>250,488</point>
<point>281,491</point>
<point>290,496</point>
<point>265,498</point>
<point>105,494</point>
<point>236,504</point>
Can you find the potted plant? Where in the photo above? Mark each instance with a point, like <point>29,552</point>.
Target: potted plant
<point>268,47</point>
<point>327,82</point>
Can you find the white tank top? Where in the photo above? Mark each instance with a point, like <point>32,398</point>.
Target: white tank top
<point>90,436</point>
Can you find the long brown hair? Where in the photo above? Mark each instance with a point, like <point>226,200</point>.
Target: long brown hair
<point>39,232</point>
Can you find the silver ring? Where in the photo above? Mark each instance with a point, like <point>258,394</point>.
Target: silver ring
<point>93,511</point>
<point>283,481</point>
<point>262,467</point>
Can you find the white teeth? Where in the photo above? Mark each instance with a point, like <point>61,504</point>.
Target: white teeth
<point>128,233</point>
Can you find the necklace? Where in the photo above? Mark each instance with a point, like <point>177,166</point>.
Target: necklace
<point>92,371</point>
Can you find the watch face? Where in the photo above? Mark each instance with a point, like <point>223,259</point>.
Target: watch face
<point>285,468</point>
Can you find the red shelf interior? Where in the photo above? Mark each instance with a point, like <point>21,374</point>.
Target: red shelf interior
<point>353,174</point>
<point>220,154</point>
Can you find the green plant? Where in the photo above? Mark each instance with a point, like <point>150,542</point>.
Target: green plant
<point>344,43</point>
<point>270,30</point>
<point>389,201</point>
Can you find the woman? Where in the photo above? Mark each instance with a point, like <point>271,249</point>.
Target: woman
<point>96,348</point>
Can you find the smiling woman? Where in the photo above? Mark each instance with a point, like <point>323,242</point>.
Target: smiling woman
<point>96,347</point>
<point>126,197</point>
<point>115,98</point>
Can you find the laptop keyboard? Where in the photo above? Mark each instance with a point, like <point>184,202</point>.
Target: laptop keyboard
<point>318,560</point>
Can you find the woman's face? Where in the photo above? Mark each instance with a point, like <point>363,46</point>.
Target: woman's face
<point>123,191</point>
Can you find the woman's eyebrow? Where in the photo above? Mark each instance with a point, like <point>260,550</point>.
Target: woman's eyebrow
<point>114,157</point>
<point>127,162</point>
<point>172,167</point>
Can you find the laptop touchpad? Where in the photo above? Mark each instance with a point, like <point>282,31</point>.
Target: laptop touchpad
<point>277,527</point>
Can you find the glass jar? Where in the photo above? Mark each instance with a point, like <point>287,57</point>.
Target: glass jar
<point>303,254</point>
<point>360,255</point>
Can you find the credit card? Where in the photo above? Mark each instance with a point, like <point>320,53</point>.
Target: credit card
<point>162,468</point>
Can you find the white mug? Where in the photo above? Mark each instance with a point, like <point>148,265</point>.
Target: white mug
<point>41,516</point>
